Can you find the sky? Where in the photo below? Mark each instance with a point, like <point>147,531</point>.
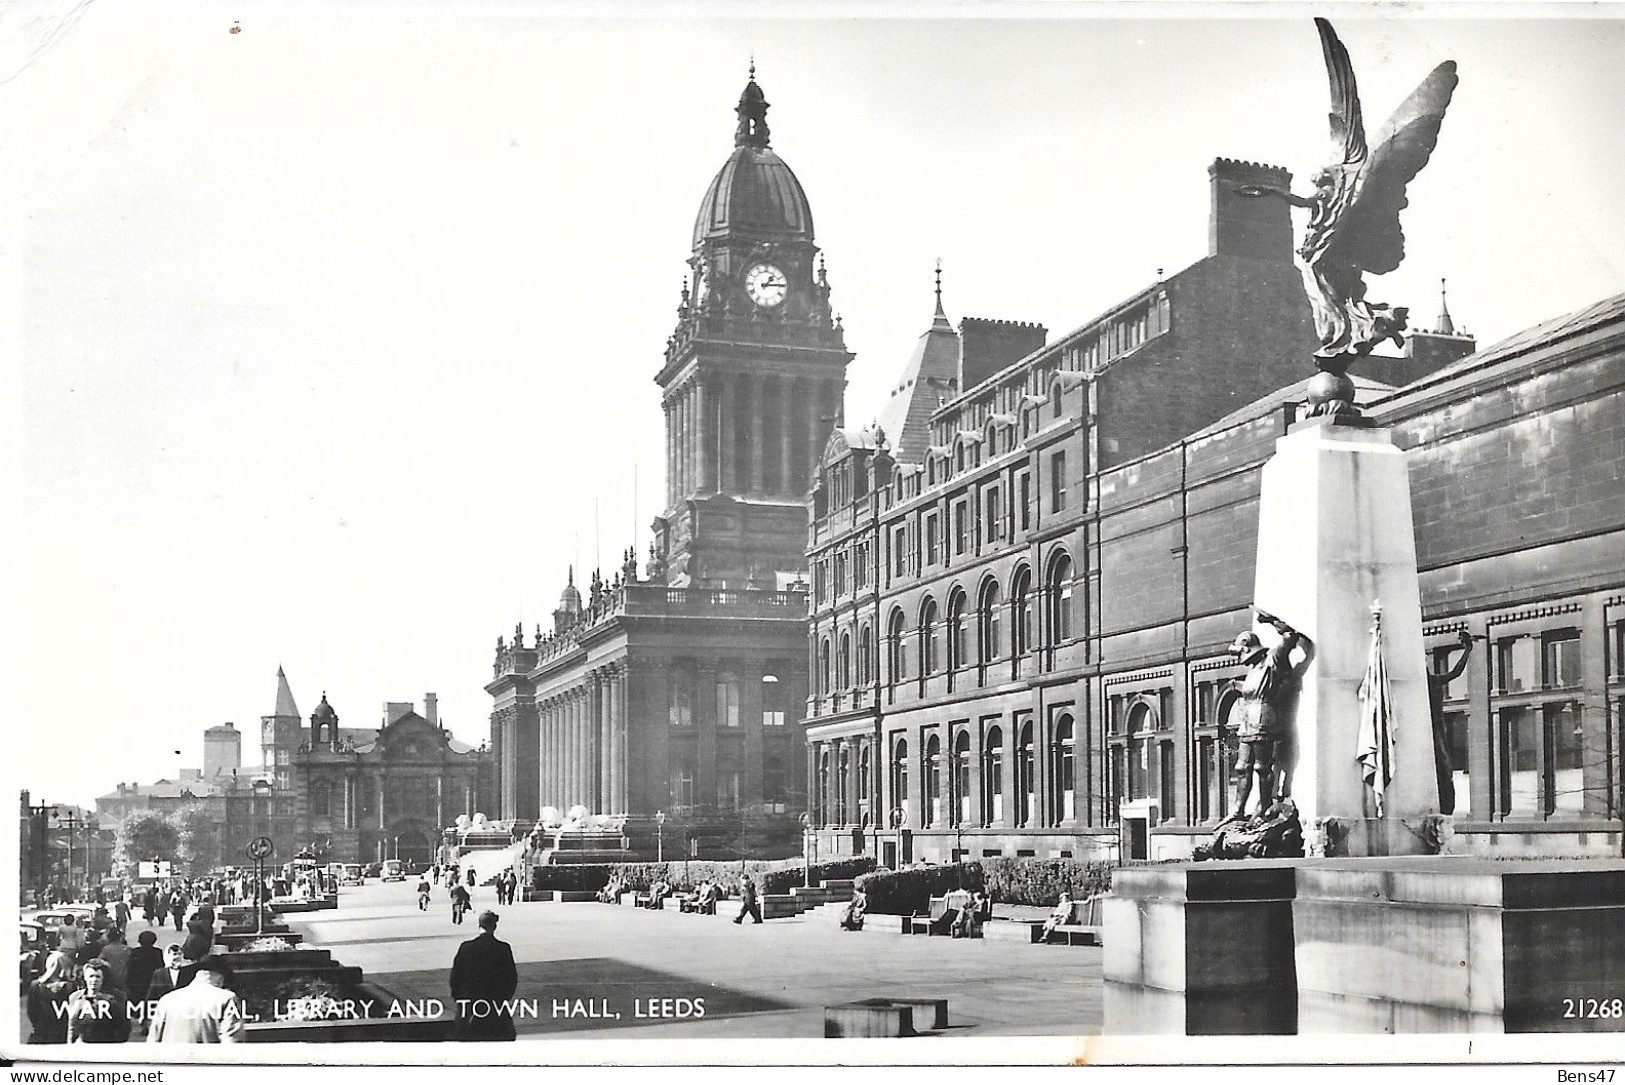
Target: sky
<point>331,338</point>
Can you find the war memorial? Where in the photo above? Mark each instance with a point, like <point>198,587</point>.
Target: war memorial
<point>1100,686</point>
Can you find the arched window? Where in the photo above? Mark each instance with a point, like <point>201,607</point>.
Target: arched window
<point>822,814</point>
<point>1142,725</point>
<point>727,700</point>
<point>1024,775</point>
<point>1062,772</point>
<point>931,808</point>
<point>843,770</point>
<point>843,679</point>
<point>962,787</point>
<point>957,638</point>
<point>1021,617</point>
<point>864,783</point>
<point>865,647</point>
<point>773,701</point>
<point>993,776</point>
<point>825,677</point>
<point>896,649</point>
<point>1060,601</point>
<point>930,651</point>
<point>899,778</point>
<point>989,646</point>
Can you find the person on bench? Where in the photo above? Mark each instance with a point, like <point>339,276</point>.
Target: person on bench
<point>710,893</point>
<point>852,916</point>
<point>658,892</point>
<point>1062,914</point>
<point>969,923</point>
<point>610,892</point>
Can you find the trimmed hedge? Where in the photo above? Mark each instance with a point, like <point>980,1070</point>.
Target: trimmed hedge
<point>772,875</point>
<point>1040,881</point>
<point>909,892</point>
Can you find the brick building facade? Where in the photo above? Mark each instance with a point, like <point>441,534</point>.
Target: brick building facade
<point>1108,684</point>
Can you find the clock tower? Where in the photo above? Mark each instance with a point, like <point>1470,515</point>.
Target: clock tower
<point>754,375</point>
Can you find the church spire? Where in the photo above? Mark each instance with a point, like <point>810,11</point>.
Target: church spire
<point>940,320</point>
<point>284,697</point>
<point>752,110</point>
<point>1444,325</point>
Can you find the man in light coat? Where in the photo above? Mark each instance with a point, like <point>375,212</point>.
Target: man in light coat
<point>205,1011</point>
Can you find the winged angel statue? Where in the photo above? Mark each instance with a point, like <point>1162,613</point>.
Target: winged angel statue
<point>1354,220</point>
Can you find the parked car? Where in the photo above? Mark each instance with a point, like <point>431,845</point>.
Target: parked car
<point>352,874</point>
<point>393,871</point>
<point>35,946</point>
<point>372,870</point>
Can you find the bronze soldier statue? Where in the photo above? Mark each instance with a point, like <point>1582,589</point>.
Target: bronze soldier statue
<point>1438,682</point>
<point>1269,692</point>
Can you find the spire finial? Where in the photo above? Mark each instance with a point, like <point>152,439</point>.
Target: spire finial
<point>940,318</point>
<point>1444,325</point>
<point>570,581</point>
<point>752,109</point>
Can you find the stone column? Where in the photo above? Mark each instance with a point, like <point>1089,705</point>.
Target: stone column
<point>706,726</point>
<point>785,409</point>
<point>601,746</point>
<point>755,418</point>
<point>817,429</point>
<point>977,799</point>
<point>671,474</point>
<point>617,741</point>
<point>567,793</point>
<point>705,436</point>
<point>440,800</point>
<point>814,807</point>
<point>578,730</point>
<point>380,783</point>
<point>722,438</point>
<point>349,802</point>
<point>550,755</point>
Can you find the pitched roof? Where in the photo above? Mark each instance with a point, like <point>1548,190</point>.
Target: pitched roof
<point>930,377</point>
<point>284,697</point>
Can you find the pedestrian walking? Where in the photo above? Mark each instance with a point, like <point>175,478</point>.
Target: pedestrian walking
<point>177,909</point>
<point>483,982</point>
<point>97,1013</point>
<point>121,914</point>
<point>423,893</point>
<point>205,1011</point>
<point>748,905</point>
<point>460,903</point>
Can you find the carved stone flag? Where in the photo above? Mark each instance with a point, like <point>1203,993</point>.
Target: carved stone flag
<point>1376,734</point>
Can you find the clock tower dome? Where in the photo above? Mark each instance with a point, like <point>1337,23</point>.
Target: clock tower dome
<point>754,374</point>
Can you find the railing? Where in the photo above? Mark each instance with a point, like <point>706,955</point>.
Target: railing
<point>648,600</point>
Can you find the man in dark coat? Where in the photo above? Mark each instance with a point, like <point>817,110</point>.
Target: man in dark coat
<point>145,959</point>
<point>483,977</point>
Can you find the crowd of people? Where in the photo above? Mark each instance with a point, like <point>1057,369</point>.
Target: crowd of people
<point>91,978</point>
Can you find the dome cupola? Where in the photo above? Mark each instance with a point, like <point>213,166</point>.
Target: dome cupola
<point>755,193</point>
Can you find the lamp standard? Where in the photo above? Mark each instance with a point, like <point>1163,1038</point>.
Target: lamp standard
<point>897,827</point>
<point>806,849</point>
<point>660,836</point>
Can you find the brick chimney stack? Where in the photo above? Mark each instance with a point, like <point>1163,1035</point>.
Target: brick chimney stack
<point>1257,227</point>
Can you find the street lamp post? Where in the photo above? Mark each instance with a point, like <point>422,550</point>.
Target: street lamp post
<point>660,836</point>
<point>897,826</point>
<point>806,849</point>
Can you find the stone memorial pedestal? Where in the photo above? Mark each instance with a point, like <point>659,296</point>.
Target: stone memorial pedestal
<point>1334,538</point>
<point>1367,945</point>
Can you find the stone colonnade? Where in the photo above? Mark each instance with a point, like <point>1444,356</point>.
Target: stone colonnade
<point>582,755</point>
<point>747,433</point>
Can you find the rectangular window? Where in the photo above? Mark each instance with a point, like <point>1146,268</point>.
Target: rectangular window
<point>1455,728</point>
<point>900,551</point>
<point>994,513</point>
<point>933,541</point>
<point>840,574</point>
<point>1560,662</point>
<point>1024,500</point>
<point>961,529</point>
<point>1516,665</point>
<point>860,566</point>
<point>1057,482</point>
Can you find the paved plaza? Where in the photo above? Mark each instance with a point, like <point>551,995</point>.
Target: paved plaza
<point>771,980</point>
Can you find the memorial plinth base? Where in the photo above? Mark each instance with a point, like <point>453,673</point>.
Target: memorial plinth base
<point>1175,957</point>
<point>1376,837</point>
<point>1396,944</point>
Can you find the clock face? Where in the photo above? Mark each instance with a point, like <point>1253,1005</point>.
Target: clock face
<point>766,285</point>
